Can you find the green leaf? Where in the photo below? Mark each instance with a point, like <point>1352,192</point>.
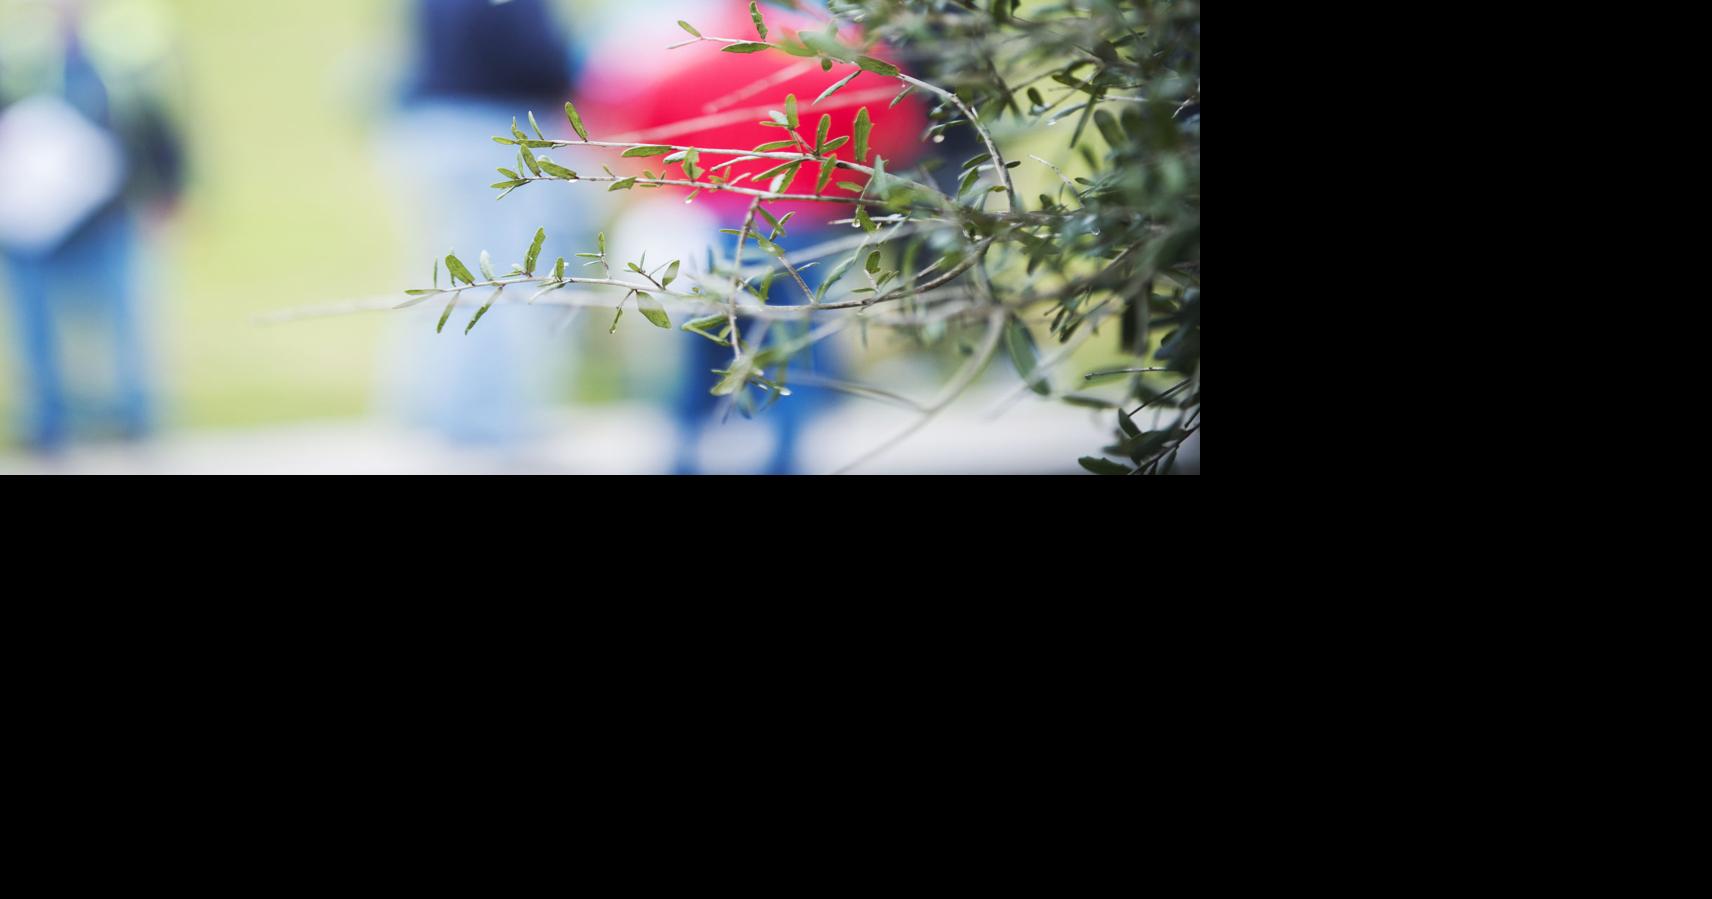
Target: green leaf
<point>775,145</point>
<point>827,45</point>
<point>653,311</point>
<point>625,184</point>
<point>746,47</point>
<point>507,185</point>
<point>833,145</point>
<point>797,49</point>
<point>866,222</point>
<point>701,327</point>
<point>482,311</point>
<point>778,169</point>
<point>576,121</point>
<point>691,169</point>
<point>760,24</point>
<point>874,263</point>
<point>1025,355</point>
<point>505,140</point>
<point>1103,466</point>
<point>556,170</point>
<point>826,171</point>
<point>688,27</point>
<point>969,179</point>
<point>833,278</point>
<point>671,274</point>
<point>534,251</point>
<point>878,66</point>
<point>447,315</point>
<point>636,152</point>
<point>864,127</point>
<point>837,87</point>
<point>791,110</point>
<point>536,125</point>
<point>1109,128</point>
<point>455,267</point>
<point>436,273</point>
<point>530,161</point>
<point>559,269</point>
<point>901,95</point>
<point>821,132</point>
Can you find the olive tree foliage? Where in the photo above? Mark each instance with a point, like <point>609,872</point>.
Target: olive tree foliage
<point>1114,245</point>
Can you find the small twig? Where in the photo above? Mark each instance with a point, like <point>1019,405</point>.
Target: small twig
<point>965,377</point>
<point>1121,371</point>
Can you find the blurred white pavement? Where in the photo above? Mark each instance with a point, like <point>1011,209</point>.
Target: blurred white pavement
<point>1031,437</point>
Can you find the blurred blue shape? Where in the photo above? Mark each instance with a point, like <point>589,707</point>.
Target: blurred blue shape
<point>478,68</point>
<point>83,273</point>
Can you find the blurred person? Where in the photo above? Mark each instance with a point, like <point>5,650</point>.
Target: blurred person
<point>478,66</point>
<point>636,89</point>
<point>87,149</point>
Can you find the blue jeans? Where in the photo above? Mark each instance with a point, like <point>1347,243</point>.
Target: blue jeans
<point>695,407</point>
<point>492,387</point>
<point>88,278</point>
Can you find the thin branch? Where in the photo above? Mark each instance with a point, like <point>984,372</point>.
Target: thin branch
<point>737,279</point>
<point>986,137</point>
<point>965,377</point>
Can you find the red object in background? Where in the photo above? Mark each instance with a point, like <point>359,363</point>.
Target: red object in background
<point>702,97</point>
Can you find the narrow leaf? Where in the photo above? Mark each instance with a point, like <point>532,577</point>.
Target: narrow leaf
<point>482,311</point>
<point>652,310</point>
<point>556,170</point>
<point>446,316</point>
<point>864,127</point>
<point>760,24</point>
<point>459,272</point>
<point>535,251</point>
<point>878,66</point>
<point>576,121</point>
<point>837,87</point>
<point>1025,355</point>
<point>1103,466</point>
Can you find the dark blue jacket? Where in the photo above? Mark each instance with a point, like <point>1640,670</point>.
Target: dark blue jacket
<point>475,49</point>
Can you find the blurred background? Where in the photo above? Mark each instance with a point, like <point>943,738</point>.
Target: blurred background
<point>235,160</point>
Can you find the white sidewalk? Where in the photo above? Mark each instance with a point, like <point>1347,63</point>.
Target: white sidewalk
<point>1032,437</point>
